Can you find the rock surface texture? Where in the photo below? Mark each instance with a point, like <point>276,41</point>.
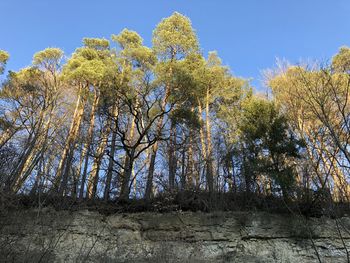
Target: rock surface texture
<point>85,236</point>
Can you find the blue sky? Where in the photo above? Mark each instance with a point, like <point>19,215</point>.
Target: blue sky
<point>248,34</point>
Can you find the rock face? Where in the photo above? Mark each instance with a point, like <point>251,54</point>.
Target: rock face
<point>84,236</point>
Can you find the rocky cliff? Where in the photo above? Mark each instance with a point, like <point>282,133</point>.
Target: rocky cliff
<point>83,236</point>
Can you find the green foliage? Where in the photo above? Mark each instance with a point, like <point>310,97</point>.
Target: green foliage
<point>128,39</point>
<point>174,37</point>
<point>135,63</point>
<point>269,146</point>
<point>341,61</point>
<point>91,64</point>
<point>186,116</point>
<point>4,56</point>
<point>24,85</point>
<point>49,58</point>
<point>89,70</point>
<point>213,79</point>
<point>96,43</point>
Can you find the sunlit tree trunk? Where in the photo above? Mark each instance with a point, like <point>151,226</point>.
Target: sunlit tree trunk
<point>205,137</point>
<point>201,132</point>
<point>94,174</point>
<point>61,179</point>
<point>36,149</point>
<point>128,163</point>
<point>87,146</point>
<point>209,160</point>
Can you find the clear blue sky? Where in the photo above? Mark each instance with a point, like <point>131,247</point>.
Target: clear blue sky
<point>248,34</point>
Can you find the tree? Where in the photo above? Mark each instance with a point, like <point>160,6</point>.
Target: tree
<point>4,56</point>
<point>108,70</point>
<point>316,98</point>
<point>34,92</point>
<point>173,40</point>
<point>269,147</point>
<point>87,68</point>
<point>139,99</point>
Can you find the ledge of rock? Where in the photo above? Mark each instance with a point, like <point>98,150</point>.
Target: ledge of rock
<point>87,236</point>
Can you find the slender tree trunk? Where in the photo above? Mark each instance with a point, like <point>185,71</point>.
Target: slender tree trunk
<point>190,166</point>
<point>28,153</point>
<point>111,158</point>
<point>40,172</point>
<point>80,167</point>
<point>35,150</point>
<point>341,189</point>
<point>68,152</point>
<point>78,106</point>
<point>6,136</point>
<point>183,165</point>
<point>109,174</point>
<point>206,148</point>
<point>190,162</point>
<point>149,184</point>
<point>94,175</point>
<point>87,146</point>
<point>337,183</point>
<point>44,178</point>
<point>25,161</point>
<point>30,164</point>
<point>201,132</point>
<point>172,156</point>
<point>209,161</point>
<point>125,189</point>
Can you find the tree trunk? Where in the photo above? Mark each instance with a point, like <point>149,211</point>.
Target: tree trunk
<point>80,167</point>
<point>94,175</point>
<point>87,147</point>
<point>341,189</point>
<point>183,165</point>
<point>172,156</point>
<point>6,136</point>
<point>109,174</point>
<point>209,161</point>
<point>125,190</point>
<point>201,132</point>
<point>149,184</point>
<point>67,155</point>
<point>111,159</point>
<point>35,150</point>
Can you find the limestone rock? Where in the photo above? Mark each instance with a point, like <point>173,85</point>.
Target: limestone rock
<point>86,236</point>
